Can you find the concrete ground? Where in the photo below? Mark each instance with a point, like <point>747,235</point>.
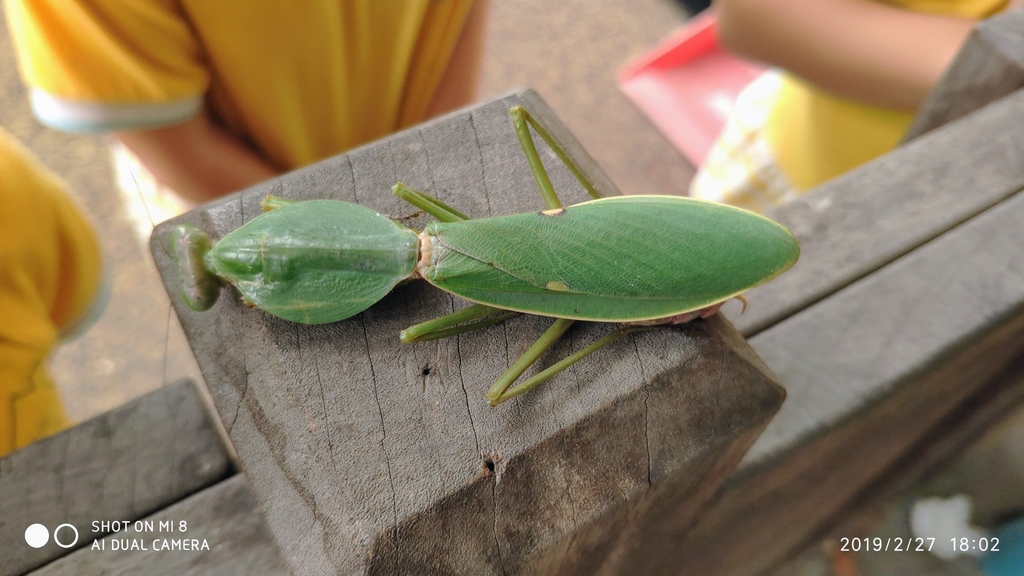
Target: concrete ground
<point>568,51</point>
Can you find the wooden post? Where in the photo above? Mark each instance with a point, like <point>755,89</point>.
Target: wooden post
<point>121,465</point>
<point>990,65</point>
<point>372,456</point>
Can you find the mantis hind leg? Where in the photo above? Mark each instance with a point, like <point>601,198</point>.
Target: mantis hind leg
<point>503,389</point>
<point>522,121</point>
<point>480,316</point>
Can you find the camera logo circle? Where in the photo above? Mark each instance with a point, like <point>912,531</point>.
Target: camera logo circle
<point>37,535</point>
<point>62,544</point>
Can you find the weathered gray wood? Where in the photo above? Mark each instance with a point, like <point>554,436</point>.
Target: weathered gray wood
<point>869,371</point>
<point>121,465</point>
<point>863,220</point>
<point>946,442</point>
<point>370,456</point>
<point>849,430</point>
<point>225,535</point>
<point>850,228</point>
<point>989,66</point>
<point>581,491</point>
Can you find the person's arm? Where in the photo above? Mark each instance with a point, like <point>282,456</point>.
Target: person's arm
<point>197,159</point>
<point>200,161</point>
<point>860,49</point>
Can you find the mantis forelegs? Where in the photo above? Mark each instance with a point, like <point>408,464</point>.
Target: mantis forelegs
<point>469,318</point>
<point>428,204</point>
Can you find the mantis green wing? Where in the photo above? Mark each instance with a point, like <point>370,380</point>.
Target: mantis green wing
<point>622,259</point>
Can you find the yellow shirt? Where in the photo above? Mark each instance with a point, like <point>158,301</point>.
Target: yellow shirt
<point>815,136</point>
<point>49,276</point>
<point>300,80</point>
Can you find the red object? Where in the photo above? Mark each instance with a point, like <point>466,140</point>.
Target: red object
<point>688,85</point>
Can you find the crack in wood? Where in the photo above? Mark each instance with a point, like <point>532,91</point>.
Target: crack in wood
<point>504,330</point>
<point>276,440</point>
<point>647,409</point>
<point>383,428</point>
<point>245,391</point>
<point>326,537</point>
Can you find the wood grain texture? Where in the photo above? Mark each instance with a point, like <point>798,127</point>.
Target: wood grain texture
<point>225,516</point>
<point>370,456</point>
<point>854,225</point>
<point>989,66</point>
<point>870,371</point>
<point>121,465</point>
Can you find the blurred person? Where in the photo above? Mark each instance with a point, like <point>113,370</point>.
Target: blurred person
<point>851,75</point>
<point>50,272</point>
<point>212,97</point>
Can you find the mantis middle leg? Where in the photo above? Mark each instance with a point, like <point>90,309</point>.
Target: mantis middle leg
<point>480,316</point>
<point>503,389</point>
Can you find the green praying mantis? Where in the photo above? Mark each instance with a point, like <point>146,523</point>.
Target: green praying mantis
<point>643,261</point>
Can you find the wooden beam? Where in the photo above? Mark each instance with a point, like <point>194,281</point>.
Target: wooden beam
<point>906,304</point>
<point>997,403</point>
<point>121,465</point>
<point>848,433</point>
<point>225,534</point>
<point>858,223</point>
